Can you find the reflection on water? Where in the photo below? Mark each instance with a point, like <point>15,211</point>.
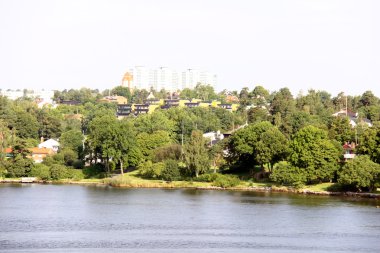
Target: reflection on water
<point>70,218</point>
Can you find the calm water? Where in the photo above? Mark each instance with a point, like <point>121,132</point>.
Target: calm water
<point>71,218</point>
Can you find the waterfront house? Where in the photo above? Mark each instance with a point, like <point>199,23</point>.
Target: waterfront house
<point>353,117</point>
<point>349,150</point>
<point>50,144</point>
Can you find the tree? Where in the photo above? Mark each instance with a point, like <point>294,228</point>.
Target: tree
<point>150,123</point>
<point>171,171</point>
<point>271,147</point>
<point>72,139</point>
<point>341,130</point>
<point>122,91</point>
<point>50,124</point>
<point>260,95</point>
<point>368,99</point>
<point>147,143</point>
<point>204,92</point>
<point>19,166</point>
<point>257,144</point>
<point>315,154</point>
<point>26,125</point>
<point>196,155</point>
<point>286,174</point>
<point>112,140</point>
<point>283,103</point>
<point>5,138</point>
<point>360,174</point>
<point>244,97</point>
<point>369,142</point>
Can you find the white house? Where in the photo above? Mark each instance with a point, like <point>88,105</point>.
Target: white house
<point>214,137</point>
<point>51,143</point>
<point>353,117</point>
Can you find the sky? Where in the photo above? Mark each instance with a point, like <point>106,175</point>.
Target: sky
<point>330,45</point>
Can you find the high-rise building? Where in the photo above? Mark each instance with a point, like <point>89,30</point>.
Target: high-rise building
<point>140,77</point>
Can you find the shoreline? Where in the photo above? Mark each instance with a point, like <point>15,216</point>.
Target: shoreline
<point>282,189</point>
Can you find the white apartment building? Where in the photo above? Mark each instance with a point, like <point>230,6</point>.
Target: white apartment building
<point>168,79</point>
<point>45,95</point>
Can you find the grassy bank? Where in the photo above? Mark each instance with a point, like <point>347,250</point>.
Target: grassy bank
<point>132,180</point>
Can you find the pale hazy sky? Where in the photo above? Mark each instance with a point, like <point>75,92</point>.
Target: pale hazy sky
<point>330,45</point>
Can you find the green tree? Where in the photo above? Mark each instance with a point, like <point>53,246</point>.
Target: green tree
<point>122,91</point>
<point>368,99</point>
<point>50,124</point>
<point>257,144</point>
<point>41,171</point>
<point>313,152</point>
<point>369,141</point>
<point>19,166</point>
<point>26,124</point>
<point>259,96</point>
<point>205,92</point>
<point>72,139</point>
<point>171,171</point>
<point>196,155</point>
<point>271,147</point>
<point>341,130</point>
<point>147,143</point>
<point>150,123</point>
<point>360,174</point>
<point>286,174</point>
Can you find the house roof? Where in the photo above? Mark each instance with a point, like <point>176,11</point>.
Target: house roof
<point>41,151</point>
<point>50,142</point>
<point>34,150</point>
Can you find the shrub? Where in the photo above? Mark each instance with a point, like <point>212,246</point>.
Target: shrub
<point>78,164</point>
<point>151,170</point>
<point>19,166</point>
<point>286,174</point>
<point>207,177</point>
<point>359,174</point>
<point>226,181</point>
<point>58,171</point>
<point>3,168</point>
<point>75,174</point>
<point>94,171</point>
<point>170,152</point>
<point>171,171</point>
<point>41,171</point>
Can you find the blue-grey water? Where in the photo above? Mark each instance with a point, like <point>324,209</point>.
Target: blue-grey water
<point>73,218</point>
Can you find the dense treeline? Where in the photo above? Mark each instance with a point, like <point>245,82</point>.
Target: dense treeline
<point>274,136</point>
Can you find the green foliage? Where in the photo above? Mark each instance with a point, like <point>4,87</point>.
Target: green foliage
<point>94,171</point>
<point>226,181</point>
<point>69,156</point>
<point>167,152</point>
<point>147,143</point>
<point>49,123</point>
<point>359,174</point>
<point>75,174</point>
<point>171,171</point>
<point>369,141</point>
<point>286,174</point>
<point>313,152</point>
<point>122,91</point>
<point>72,139</point>
<point>208,177</point>
<point>257,144</point>
<point>58,171</point>
<point>40,171</point>
<point>19,166</point>
<point>341,130</point>
<point>151,170</point>
<point>196,155</point>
